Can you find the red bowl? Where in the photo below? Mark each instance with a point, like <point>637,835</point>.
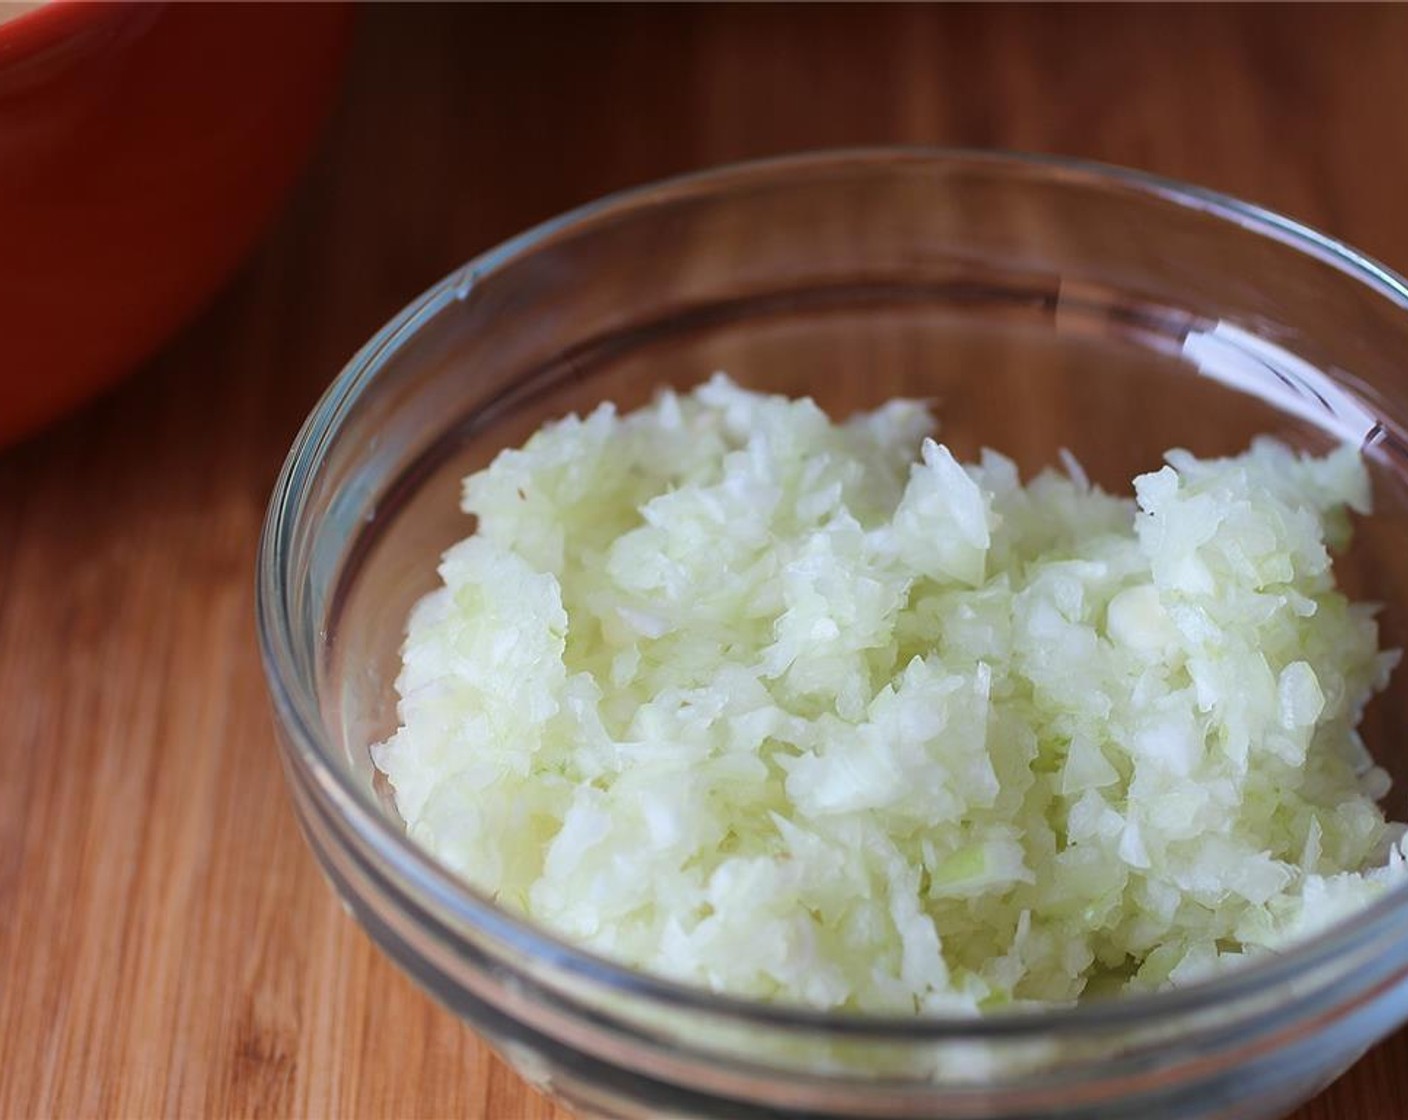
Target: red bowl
<point>142,149</point>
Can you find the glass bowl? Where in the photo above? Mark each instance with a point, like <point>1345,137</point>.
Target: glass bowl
<point>1040,304</point>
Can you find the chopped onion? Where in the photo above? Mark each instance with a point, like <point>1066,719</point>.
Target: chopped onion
<point>742,697</point>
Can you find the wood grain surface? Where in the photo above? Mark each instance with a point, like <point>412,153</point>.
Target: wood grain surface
<point>167,945</point>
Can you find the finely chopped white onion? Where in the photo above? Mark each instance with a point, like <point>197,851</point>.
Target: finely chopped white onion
<point>739,696</point>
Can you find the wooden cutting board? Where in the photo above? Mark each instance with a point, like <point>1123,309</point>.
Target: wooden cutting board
<point>167,946</point>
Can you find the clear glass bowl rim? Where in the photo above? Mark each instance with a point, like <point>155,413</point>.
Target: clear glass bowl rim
<point>297,709</point>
